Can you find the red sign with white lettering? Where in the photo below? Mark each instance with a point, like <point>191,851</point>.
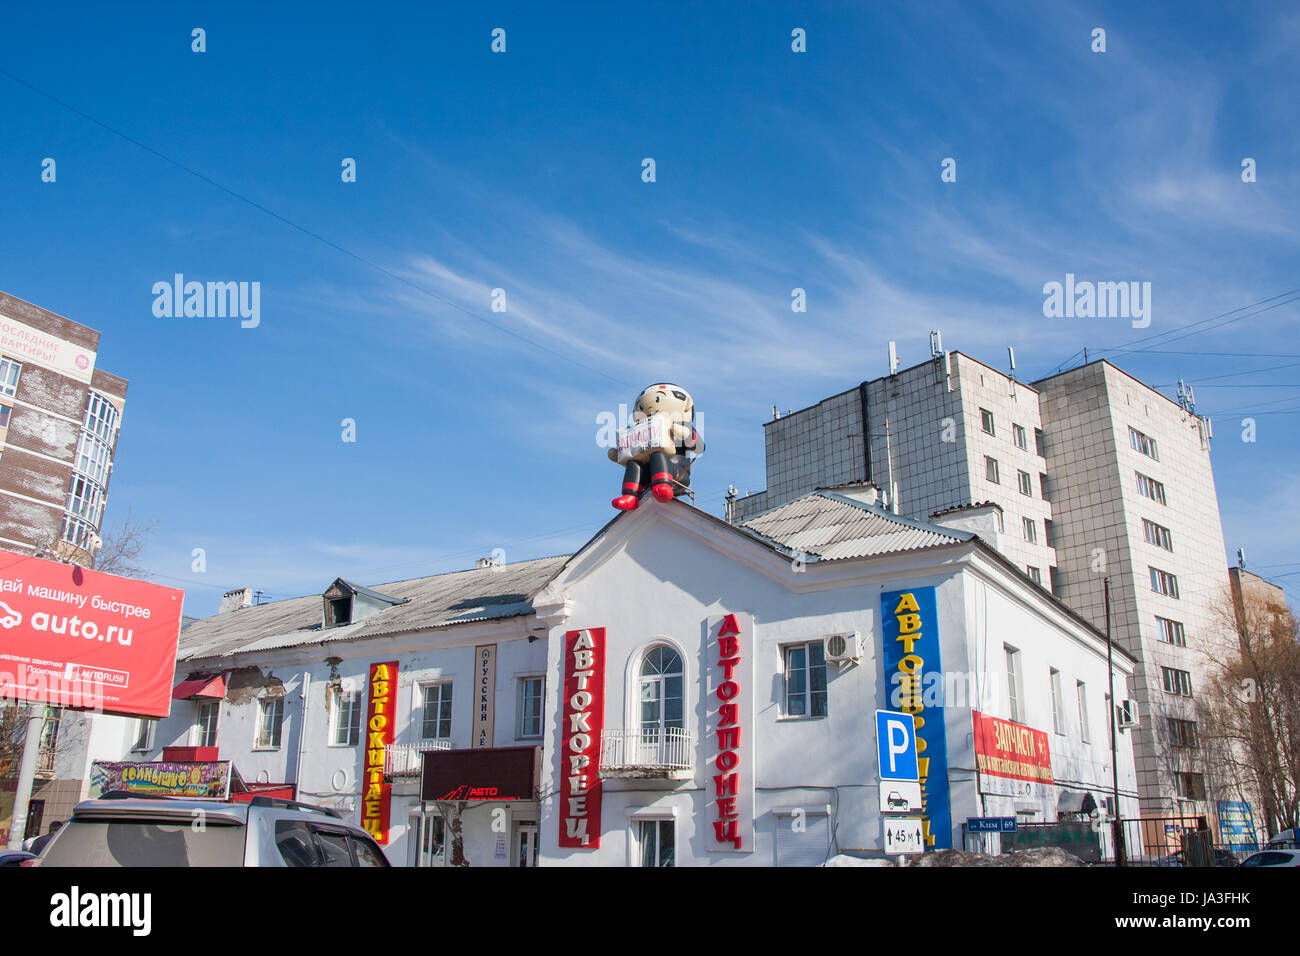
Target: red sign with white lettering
<point>1004,748</point>
<point>581,722</point>
<point>72,637</point>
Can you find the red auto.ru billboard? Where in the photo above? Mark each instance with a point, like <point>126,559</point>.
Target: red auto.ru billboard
<point>72,637</point>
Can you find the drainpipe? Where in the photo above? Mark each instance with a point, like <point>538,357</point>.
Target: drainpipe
<point>26,777</point>
<point>302,738</point>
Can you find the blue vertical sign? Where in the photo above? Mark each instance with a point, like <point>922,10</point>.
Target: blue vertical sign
<point>911,654</point>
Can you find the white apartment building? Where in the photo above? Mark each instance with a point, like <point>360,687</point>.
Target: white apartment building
<point>1084,475</point>
<point>681,691</point>
<point>1134,494</point>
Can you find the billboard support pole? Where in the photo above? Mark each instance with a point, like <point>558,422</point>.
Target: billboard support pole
<point>26,777</point>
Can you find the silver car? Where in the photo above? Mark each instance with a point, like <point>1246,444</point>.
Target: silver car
<point>178,832</point>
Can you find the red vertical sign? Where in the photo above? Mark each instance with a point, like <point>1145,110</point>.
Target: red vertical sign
<point>380,718</point>
<point>582,717</point>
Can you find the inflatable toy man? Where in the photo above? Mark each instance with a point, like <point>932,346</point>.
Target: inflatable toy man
<point>653,450</point>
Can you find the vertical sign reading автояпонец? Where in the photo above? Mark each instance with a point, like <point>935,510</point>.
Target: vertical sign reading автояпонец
<point>911,649</point>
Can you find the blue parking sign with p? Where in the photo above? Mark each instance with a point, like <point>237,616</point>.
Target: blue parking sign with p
<point>896,745</point>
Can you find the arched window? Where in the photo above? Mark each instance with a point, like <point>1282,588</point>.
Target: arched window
<point>661,686</point>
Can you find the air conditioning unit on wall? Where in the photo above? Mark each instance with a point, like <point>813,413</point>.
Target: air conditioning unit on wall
<point>843,648</point>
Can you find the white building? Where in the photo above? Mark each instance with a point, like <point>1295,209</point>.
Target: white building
<point>666,693</point>
<point>1085,475</point>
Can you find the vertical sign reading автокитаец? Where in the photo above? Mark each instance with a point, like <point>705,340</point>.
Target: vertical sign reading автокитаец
<point>911,650</point>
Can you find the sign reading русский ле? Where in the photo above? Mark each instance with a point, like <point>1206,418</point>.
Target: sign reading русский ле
<point>71,637</point>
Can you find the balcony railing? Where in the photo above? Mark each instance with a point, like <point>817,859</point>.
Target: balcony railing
<point>45,761</point>
<point>646,750</point>
<point>404,760</point>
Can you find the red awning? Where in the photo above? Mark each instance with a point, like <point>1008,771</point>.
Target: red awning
<point>201,687</point>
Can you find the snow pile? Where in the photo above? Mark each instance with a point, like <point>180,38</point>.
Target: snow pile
<point>1038,856</point>
<point>841,859</point>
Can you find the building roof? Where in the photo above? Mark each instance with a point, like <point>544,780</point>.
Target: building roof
<point>824,526</point>
<point>832,526</point>
<point>479,594</point>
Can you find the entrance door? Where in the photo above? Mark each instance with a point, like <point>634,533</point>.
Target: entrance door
<point>526,844</point>
<point>426,845</point>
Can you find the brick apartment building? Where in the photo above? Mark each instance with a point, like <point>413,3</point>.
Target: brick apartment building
<point>59,420</point>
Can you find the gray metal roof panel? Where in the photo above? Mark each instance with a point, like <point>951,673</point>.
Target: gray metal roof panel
<point>832,526</point>
<point>458,597</point>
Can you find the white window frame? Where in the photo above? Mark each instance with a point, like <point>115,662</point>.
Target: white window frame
<point>1081,693</point>
<point>200,730</point>
<point>273,708</point>
<point>1148,487</point>
<point>1030,529</point>
<point>145,728</point>
<point>1174,634</point>
<point>989,460</point>
<point>1157,534</point>
<point>1143,443</point>
<point>521,698</point>
<point>424,687</point>
<point>1058,711</point>
<point>987,424</point>
<point>1175,681</point>
<point>1019,437</point>
<point>341,698</point>
<point>808,714</point>
<point>1186,735</point>
<point>9,368</point>
<point>1162,582</point>
<point>1025,482</point>
<point>636,816</point>
<point>1034,574</point>
<point>1011,656</point>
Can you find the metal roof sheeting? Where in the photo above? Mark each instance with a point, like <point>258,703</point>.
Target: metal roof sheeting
<point>824,525</point>
<point>832,526</point>
<point>479,594</point>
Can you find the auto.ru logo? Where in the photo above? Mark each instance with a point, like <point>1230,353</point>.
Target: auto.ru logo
<point>10,618</point>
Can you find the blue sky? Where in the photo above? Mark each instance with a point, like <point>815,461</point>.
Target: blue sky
<point>774,170</point>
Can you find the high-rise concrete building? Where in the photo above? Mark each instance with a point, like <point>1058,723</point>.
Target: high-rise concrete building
<point>1084,476</point>
<point>1135,503</point>
<point>59,421</point>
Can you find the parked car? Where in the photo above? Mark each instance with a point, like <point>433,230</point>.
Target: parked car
<point>1286,839</point>
<point>137,831</point>
<point>1273,858</point>
<point>1221,858</point>
<point>15,857</point>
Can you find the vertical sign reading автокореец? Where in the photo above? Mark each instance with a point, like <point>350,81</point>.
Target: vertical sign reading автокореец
<point>911,650</point>
<point>582,718</point>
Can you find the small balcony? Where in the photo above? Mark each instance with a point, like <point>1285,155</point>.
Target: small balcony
<point>45,761</point>
<point>647,752</point>
<point>405,760</point>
